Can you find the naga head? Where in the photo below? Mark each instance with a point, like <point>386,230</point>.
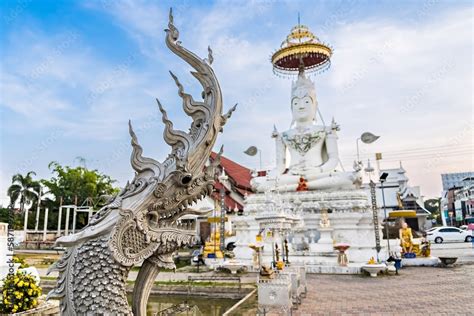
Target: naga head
<point>161,192</point>
<point>144,218</point>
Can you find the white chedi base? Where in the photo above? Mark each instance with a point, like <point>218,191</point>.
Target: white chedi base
<point>325,242</point>
<point>309,244</point>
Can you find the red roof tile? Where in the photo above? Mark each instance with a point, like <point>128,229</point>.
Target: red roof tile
<point>238,173</point>
<point>229,202</point>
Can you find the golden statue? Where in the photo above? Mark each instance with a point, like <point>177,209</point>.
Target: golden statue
<point>256,254</point>
<point>267,272</point>
<point>425,246</point>
<point>406,238</point>
<point>324,221</point>
<point>212,247</point>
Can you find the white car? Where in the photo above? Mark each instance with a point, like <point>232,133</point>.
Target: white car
<point>446,234</point>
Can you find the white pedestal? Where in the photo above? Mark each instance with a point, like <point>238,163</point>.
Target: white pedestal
<point>351,222</point>
<point>275,293</point>
<point>420,262</point>
<point>374,269</point>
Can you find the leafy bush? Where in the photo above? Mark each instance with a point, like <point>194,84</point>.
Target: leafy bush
<point>20,293</point>
<point>21,261</point>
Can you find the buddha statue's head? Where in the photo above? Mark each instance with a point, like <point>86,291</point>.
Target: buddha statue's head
<point>303,100</point>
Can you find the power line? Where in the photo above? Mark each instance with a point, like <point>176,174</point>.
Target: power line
<point>423,149</point>
<point>421,157</point>
<point>428,154</point>
<point>408,153</point>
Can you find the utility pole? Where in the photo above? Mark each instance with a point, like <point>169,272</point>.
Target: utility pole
<point>223,177</point>
<point>382,180</point>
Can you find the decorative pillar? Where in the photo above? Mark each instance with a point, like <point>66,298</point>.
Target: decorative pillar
<point>66,225</point>
<point>25,225</point>
<point>45,227</point>
<point>38,210</point>
<point>375,218</point>
<point>58,234</point>
<point>74,220</point>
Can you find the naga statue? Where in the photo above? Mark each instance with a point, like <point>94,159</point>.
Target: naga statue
<point>141,225</point>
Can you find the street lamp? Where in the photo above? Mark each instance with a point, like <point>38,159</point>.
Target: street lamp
<point>366,138</point>
<point>252,151</point>
<point>369,138</point>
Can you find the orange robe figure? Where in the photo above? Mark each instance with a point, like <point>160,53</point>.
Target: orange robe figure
<point>302,185</point>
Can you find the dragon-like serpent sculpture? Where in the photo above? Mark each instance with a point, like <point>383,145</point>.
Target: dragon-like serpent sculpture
<point>141,224</point>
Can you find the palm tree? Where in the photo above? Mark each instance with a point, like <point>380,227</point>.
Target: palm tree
<point>23,188</point>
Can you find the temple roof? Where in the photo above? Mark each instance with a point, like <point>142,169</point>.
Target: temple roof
<point>237,185</point>
<point>395,175</point>
<point>240,174</point>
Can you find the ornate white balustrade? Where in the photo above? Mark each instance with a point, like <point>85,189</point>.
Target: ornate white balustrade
<point>275,293</point>
<point>283,292</point>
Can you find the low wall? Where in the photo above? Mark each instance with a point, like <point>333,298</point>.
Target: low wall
<point>231,292</point>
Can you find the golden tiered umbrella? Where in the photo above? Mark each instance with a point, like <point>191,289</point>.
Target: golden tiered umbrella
<point>301,51</point>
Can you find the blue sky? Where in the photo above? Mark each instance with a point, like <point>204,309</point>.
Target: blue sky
<point>73,74</point>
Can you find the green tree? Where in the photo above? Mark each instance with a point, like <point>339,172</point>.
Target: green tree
<point>24,189</point>
<point>434,206</point>
<point>5,218</point>
<point>71,183</point>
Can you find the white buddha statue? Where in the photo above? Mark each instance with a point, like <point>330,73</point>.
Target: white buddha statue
<point>312,149</point>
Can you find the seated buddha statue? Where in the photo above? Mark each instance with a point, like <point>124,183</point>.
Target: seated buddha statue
<point>406,238</point>
<point>313,153</point>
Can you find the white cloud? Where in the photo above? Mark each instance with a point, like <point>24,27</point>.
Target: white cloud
<point>392,77</point>
<point>388,76</point>
<point>56,81</point>
<point>144,21</point>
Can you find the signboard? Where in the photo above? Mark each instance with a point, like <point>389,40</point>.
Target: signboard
<point>216,219</point>
<point>458,215</point>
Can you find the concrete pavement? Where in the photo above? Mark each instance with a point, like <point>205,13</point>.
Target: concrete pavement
<point>463,250</point>
<point>416,291</point>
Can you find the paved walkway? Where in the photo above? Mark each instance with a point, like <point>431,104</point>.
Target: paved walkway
<point>416,291</point>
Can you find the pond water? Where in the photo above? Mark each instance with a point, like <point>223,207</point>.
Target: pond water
<point>206,305</point>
